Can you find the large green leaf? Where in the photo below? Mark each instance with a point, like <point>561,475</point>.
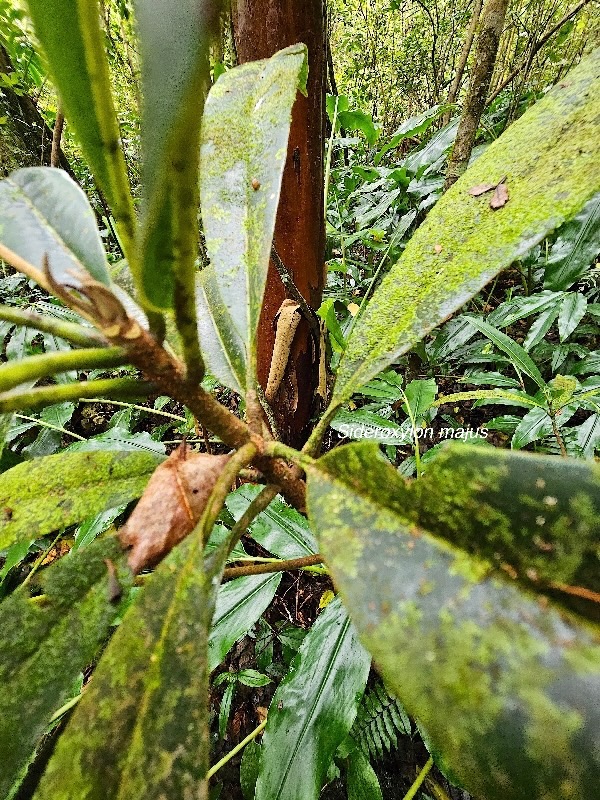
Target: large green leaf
<point>43,495</point>
<point>45,645</point>
<point>519,357</point>
<point>538,514</point>
<point>70,34</point>
<point>280,529</point>
<point>240,603</point>
<point>575,249</point>
<point>174,48</point>
<point>244,146</point>
<point>508,688</point>
<point>44,213</point>
<point>549,158</point>
<point>313,709</point>
<point>141,729</point>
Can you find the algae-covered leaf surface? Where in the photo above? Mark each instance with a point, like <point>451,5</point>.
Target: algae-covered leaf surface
<point>313,709</point>
<point>240,603</point>
<point>507,687</point>
<point>550,160</point>
<point>44,213</point>
<point>173,40</point>
<point>245,133</point>
<point>45,494</point>
<point>141,729</point>
<point>47,642</point>
<point>70,34</point>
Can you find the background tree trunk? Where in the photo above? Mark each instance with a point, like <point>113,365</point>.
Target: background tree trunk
<point>261,27</point>
<point>492,22</point>
<point>463,58</point>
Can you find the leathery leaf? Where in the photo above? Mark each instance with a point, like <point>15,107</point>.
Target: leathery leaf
<point>508,688</point>
<point>549,159</point>
<point>70,33</point>
<point>245,133</point>
<point>45,494</point>
<point>313,709</point>
<point>141,729</point>
<point>47,640</point>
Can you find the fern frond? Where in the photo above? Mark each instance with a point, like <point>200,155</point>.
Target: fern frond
<point>379,721</point>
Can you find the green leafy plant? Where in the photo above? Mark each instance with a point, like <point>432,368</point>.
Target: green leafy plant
<point>474,588</point>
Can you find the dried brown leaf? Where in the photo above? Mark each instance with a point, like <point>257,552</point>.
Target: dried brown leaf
<point>500,197</point>
<point>481,188</point>
<point>171,506</point>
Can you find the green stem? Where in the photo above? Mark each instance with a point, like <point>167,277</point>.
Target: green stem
<point>51,395</point>
<point>280,566</point>
<point>155,411</point>
<point>236,749</point>
<point>279,450</point>
<point>67,707</point>
<point>76,334</point>
<point>43,424</point>
<point>260,502</point>
<point>419,780</point>
<point>312,446</point>
<point>15,373</point>
<point>415,435</point>
<point>38,563</point>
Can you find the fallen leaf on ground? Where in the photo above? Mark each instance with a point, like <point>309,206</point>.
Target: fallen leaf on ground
<point>500,197</point>
<point>171,506</point>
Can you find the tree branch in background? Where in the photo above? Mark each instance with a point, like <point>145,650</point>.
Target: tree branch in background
<point>463,58</point>
<point>57,133</point>
<point>485,60</point>
<point>537,47</point>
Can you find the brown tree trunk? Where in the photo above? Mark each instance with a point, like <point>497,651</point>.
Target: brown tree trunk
<point>488,40</point>
<point>463,58</point>
<point>261,28</point>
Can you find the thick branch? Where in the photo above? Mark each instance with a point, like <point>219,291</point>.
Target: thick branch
<point>463,58</point>
<point>485,59</point>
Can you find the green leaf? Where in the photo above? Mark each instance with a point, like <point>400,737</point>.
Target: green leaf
<point>575,249</point>
<point>494,676</point>
<point>572,311</point>
<point>280,529</point>
<point>414,126</point>
<point>44,213</point>
<point>43,495</point>
<point>249,767</point>
<point>540,327</point>
<point>251,677</point>
<point>313,709</point>
<point>175,78</point>
<point>359,121</point>
<point>245,132</point>
<point>70,34</point>
<point>435,148</point>
<point>517,354</point>
<point>45,644</point>
<point>126,738</point>
<point>537,424</point>
<point>549,157</point>
<point>362,424</point>
<point>361,780</point>
<point>420,395</point>
<point>225,708</point>
<point>240,603</point>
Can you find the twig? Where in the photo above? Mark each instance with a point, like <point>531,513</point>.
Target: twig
<point>419,780</point>
<point>70,331</point>
<point>43,424</point>
<point>236,750</point>
<point>279,566</point>
<point>57,133</point>
<point>51,395</point>
<point>15,373</point>
<point>260,502</point>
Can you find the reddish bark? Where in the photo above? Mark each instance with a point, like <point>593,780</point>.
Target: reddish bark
<point>261,28</point>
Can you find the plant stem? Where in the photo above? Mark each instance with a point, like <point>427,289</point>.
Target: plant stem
<point>419,780</point>
<point>43,424</point>
<point>51,395</point>
<point>15,373</point>
<point>279,450</point>
<point>38,563</point>
<point>279,566</point>
<point>121,404</point>
<point>236,750</point>
<point>260,502</point>
<point>71,332</point>
<point>558,437</point>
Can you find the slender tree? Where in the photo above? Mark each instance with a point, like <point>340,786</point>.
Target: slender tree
<point>261,27</point>
<point>492,22</point>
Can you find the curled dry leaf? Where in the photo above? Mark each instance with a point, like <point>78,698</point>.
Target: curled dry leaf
<point>481,188</point>
<point>171,506</point>
<point>500,197</point>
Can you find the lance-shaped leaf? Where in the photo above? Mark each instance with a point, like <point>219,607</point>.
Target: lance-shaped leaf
<point>508,688</point>
<point>549,158</point>
<point>245,133</point>
<point>45,494</point>
<point>141,729</point>
<point>575,249</point>
<point>70,34</point>
<point>44,213</point>
<point>48,641</point>
<point>313,709</point>
<point>174,48</point>
<point>240,603</point>
<point>536,516</point>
